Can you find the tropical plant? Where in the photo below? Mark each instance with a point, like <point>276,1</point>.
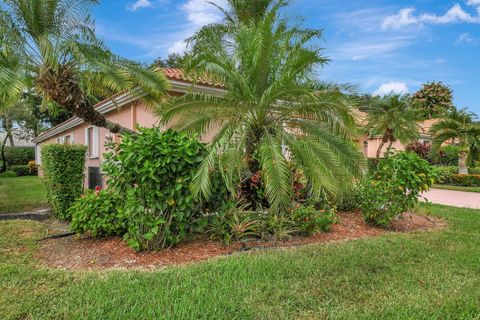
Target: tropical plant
<point>434,99</point>
<point>272,112</point>
<point>63,60</point>
<point>395,187</point>
<point>152,172</point>
<point>237,12</point>
<point>463,129</point>
<point>393,119</point>
<point>98,214</point>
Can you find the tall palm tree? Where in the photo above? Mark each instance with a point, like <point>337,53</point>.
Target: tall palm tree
<point>56,43</point>
<point>393,118</point>
<point>463,128</point>
<point>273,113</point>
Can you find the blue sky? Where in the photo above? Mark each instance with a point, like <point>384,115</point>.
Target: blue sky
<point>379,45</point>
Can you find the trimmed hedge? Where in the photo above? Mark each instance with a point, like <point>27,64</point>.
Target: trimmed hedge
<point>63,167</point>
<point>466,180</point>
<point>446,175</point>
<point>19,155</point>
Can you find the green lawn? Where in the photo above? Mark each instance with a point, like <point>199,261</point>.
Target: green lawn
<point>22,194</point>
<point>456,188</point>
<point>432,275</point>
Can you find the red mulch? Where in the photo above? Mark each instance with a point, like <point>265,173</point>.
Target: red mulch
<point>79,253</point>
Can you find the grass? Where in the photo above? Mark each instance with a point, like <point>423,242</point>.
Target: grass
<point>456,188</point>
<point>22,194</point>
<point>430,275</point>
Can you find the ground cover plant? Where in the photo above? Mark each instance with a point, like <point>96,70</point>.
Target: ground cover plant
<point>21,194</point>
<point>432,275</point>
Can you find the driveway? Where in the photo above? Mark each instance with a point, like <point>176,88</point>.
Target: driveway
<point>454,198</point>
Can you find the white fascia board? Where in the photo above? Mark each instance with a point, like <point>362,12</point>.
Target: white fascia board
<point>176,86</point>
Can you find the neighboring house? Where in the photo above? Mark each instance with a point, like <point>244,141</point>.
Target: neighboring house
<point>369,145</point>
<point>128,112</point>
<point>17,140</point>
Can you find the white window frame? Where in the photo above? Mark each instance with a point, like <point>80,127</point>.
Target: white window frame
<point>96,146</point>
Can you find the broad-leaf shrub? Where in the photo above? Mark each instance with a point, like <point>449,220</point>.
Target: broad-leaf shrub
<point>152,172</point>
<point>20,170</point>
<point>98,214</point>
<point>395,187</point>
<point>308,220</point>
<point>63,167</point>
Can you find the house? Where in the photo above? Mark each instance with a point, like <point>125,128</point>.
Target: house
<point>370,144</point>
<point>129,112</point>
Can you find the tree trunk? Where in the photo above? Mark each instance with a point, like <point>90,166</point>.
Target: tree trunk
<point>62,87</point>
<point>387,136</point>
<point>3,168</point>
<point>8,127</point>
<point>462,162</point>
<point>390,145</point>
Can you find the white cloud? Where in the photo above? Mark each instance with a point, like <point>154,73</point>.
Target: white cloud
<point>404,18</point>
<point>177,47</point>
<point>456,14</point>
<point>370,48</point>
<point>139,4</point>
<point>391,87</point>
<point>201,12</point>
<point>466,38</point>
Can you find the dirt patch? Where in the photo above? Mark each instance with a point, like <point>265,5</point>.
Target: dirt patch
<point>79,253</point>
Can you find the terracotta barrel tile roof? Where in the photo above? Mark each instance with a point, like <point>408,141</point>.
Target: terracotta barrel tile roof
<point>202,80</point>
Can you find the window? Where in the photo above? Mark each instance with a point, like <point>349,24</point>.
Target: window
<point>67,139</point>
<point>91,140</point>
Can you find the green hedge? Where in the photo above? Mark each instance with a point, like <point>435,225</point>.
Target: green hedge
<point>19,155</point>
<point>445,175</point>
<point>466,180</point>
<point>21,170</point>
<point>63,167</point>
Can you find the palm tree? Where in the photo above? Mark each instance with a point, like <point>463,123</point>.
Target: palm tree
<point>273,113</point>
<point>237,12</point>
<point>393,119</point>
<point>60,54</point>
<point>461,127</point>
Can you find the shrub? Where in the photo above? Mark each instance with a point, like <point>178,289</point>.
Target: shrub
<point>20,170</point>
<point>444,175</point>
<point>32,166</point>
<point>8,174</point>
<point>467,180</point>
<point>349,198</point>
<point>152,172</point>
<point>276,227</point>
<point>395,187</point>
<point>19,155</point>
<point>98,214</point>
<point>309,220</point>
<point>63,167</point>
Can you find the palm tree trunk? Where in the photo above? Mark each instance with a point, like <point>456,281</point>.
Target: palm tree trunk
<point>62,87</point>
<point>462,162</point>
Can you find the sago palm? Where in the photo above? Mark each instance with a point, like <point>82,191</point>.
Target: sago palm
<point>272,115</point>
<point>462,128</point>
<point>56,43</point>
<point>393,119</point>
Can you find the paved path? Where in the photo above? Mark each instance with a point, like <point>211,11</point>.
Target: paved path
<point>454,198</point>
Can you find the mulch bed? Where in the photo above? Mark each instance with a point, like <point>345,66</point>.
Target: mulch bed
<point>80,253</point>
